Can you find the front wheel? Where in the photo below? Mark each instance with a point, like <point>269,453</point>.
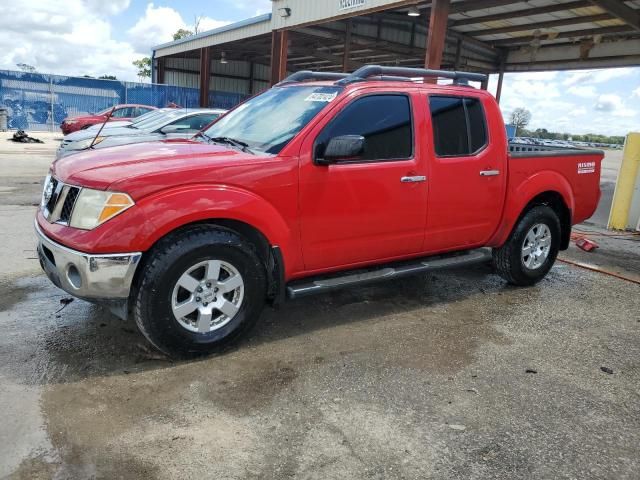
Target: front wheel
<point>531,249</point>
<point>201,289</point>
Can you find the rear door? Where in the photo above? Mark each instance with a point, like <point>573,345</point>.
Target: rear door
<point>369,208</point>
<point>467,173</point>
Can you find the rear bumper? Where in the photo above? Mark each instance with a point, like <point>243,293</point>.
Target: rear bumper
<point>91,277</point>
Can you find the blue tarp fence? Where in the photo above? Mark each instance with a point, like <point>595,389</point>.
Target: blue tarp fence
<point>37,101</point>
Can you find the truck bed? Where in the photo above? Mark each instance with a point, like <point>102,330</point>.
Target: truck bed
<point>577,169</point>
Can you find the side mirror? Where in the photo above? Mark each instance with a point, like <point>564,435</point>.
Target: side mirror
<point>345,147</point>
<point>173,128</point>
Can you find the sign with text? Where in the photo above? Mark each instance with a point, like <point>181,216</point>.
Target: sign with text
<point>348,4</point>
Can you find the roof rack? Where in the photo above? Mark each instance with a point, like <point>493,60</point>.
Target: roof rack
<point>390,74</point>
<point>405,73</point>
<point>303,75</point>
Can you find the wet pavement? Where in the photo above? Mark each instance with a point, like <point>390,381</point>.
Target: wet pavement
<point>446,375</point>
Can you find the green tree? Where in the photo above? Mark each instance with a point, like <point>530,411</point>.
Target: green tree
<point>520,117</point>
<point>144,67</point>
<point>107,77</point>
<point>182,33</point>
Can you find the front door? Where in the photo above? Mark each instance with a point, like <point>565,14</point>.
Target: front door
<point>370,207</point>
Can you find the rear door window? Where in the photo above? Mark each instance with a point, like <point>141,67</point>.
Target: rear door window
<point>459,126</point>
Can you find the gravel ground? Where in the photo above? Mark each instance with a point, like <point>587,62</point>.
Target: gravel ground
<point>447,375</point>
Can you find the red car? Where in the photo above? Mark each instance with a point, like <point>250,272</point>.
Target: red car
<point>325,181</point>
<point>121,112</point>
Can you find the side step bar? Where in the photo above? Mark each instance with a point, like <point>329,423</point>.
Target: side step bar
<point>302,288</point>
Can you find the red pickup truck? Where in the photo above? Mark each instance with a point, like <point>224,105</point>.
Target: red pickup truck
<point>322,182</point>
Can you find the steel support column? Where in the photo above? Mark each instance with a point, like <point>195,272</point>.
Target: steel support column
<point>347,47</point>
<point>205,75</point>
<point>279,49</point>
<point>437,33</point>
<point>161,67</point>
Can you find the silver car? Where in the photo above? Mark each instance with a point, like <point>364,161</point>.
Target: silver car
<point>174,123</point>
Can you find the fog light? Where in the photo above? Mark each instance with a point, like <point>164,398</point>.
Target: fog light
<point>73,276</point>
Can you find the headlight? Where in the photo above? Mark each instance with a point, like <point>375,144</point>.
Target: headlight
<point>70,122</point>
<point>84,144</point>
<point>94,207</point>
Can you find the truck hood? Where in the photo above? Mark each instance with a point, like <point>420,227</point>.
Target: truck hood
<point>142,168</point>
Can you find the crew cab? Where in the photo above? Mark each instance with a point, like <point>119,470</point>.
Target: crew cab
<point>324,181</point>
<point>120,112</point>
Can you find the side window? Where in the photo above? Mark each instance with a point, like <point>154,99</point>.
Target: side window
<point>477,127</point>
<point>383,120</point>
<point>125,112</point>
<point>458,125</point>
<point>198,122</point>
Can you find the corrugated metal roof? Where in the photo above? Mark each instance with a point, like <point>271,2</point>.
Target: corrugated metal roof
<point>215,36</point>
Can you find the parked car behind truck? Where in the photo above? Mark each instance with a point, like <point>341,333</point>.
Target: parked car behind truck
<point>324,181</point>
<point>171,123</point>
<point>120,112</point>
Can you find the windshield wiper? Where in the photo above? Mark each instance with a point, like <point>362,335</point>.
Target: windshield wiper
<point>230,141</point>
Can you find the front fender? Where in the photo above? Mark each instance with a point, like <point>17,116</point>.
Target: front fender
<point>520,196</point>
<point>172,209</point>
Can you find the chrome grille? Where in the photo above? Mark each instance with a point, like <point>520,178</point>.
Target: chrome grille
<point>59,206</point>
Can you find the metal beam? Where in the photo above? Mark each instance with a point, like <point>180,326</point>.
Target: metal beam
<point>620,10</point>
<point>161,70</point>
<point>279,49</point>
<point>471,5</point>
<point>347,46</point>
<point>525,12</point>
<point>205,75</point>
<point>540,25</point>
<point>523,40</point>
<point>437,33</point>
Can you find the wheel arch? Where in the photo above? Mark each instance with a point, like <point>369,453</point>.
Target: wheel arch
<point>544,188</point>
<point>269,254</point>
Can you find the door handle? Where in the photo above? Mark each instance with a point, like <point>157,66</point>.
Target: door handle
<point>413,179</point>
<point>489,173</point>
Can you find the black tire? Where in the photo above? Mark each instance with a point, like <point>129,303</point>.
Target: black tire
<point>167,261</point>
<point>508,260</point>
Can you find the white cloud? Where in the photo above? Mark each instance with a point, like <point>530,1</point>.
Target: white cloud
<point>560,103</point>
<point>110,7</point>
<point>597,76</point>
<point>158,24</point>
<point>256,7</point>
<point>584,91</point>
<point>76,40</point>
<point>613,104</point>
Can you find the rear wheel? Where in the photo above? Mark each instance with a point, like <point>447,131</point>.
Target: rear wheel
<point>201,290</point>
<point>532,248</point>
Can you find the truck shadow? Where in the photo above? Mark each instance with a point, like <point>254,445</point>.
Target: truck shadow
<point>427,312</point>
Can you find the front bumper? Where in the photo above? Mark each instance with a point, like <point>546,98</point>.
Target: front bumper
<point>91,277</point>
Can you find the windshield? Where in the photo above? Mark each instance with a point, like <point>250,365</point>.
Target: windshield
<point>160,120</point>
<point>269,121</point>
<point>148,116</point>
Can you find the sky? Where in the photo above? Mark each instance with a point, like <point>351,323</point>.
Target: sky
<point>103,37</point>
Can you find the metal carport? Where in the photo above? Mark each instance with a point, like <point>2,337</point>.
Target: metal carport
<point>489,36</point>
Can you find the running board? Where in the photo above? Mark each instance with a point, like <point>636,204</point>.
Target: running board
<point>302,288</point>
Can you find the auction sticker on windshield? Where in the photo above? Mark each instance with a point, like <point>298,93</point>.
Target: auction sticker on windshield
<point>321,97</point>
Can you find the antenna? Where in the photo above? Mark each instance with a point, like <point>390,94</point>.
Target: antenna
<point>101,127</point>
